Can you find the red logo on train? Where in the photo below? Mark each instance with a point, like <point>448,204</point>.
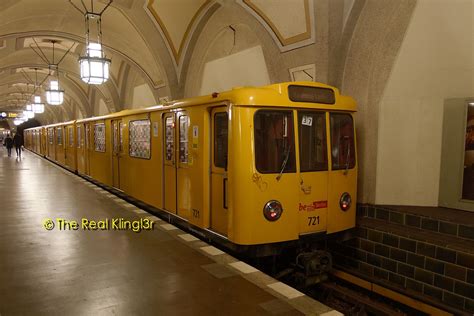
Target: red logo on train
<point>314,206</point>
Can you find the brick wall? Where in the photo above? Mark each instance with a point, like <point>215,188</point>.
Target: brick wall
<point>426,258</point>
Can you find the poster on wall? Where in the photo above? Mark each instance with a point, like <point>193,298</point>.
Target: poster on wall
<point>468,177</point>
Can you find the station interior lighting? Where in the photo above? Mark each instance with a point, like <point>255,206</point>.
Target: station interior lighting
<point>54,95</point>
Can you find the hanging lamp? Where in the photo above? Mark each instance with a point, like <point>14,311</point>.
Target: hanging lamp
<point>94,65</point>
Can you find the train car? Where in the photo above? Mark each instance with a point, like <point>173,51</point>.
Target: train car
<point>255,169</point>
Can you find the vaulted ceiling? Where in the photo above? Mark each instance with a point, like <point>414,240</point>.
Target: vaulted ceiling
<point>149,42</point>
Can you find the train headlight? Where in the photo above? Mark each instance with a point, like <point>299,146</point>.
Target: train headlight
<point>345,201</point>
<point>272,210</point>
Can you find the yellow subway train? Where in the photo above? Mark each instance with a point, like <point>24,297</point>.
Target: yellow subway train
<point>256,169</point>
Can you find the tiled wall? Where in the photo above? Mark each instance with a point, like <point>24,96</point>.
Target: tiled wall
<point>409,252</point>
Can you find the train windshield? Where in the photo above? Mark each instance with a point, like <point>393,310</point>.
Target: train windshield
<point>274,141</point>
<point>342,141</point>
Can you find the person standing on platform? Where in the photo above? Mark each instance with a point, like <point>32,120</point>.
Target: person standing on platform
<point>9,144</point>
<point>18,141</point>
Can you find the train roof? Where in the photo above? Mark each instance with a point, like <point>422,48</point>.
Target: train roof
<point>274,95</point>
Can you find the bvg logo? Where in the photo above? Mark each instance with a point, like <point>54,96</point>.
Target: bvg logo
<point>48,224</point>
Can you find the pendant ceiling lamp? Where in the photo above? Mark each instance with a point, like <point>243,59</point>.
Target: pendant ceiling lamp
<point>94,65</point>
<point>37,106</point>
<point>54,95</point>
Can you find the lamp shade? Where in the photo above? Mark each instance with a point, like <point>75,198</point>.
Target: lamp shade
<point>28,114</point>
<point>38,108</point>
<point>94,67</point>
<point>54,95</point>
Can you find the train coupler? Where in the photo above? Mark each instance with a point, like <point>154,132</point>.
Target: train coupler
<point>312,267</point>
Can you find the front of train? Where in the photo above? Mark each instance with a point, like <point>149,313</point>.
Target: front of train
<point>294,171</point>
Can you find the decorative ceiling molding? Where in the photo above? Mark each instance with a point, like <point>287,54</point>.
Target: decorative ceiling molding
<point>283,29</point>
<point>177,52</point>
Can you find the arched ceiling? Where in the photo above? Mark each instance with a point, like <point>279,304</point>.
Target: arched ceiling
<point>23,23</point>
<point>151,40</point>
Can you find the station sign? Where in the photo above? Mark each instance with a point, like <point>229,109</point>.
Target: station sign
<point>4,115</point>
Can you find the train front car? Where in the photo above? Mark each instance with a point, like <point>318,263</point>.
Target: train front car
<point>292,171</point>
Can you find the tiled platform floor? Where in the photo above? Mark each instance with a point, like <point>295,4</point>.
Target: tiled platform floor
<point>110,272</point>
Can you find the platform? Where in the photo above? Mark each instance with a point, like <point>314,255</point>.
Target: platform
<point>161,271</point>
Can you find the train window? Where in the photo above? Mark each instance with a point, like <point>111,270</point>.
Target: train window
<point>221,123</point>
<point>139,139</point>
<point>99,137</point>
<point>50,135</point>
<point>169,134</point>
<point>71,137</point>
<point>183,138</point>
<point>274,141</point>
<point>59,133</point>
<point>311,94</point>
<point>312,141</point>
<point>342,141</point>
<point>78,131</point>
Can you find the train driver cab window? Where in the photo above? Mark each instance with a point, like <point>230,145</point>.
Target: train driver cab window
<point>221,123</point>
<point>59,132</point>
<point>274,141</point>
<point>183,138</point>
<point>342,141</point>
<point>312,141</point>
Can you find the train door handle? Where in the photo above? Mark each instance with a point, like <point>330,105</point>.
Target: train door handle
<point>224,195</point>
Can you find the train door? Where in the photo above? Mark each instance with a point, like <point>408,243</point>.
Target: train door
<point>343,175</point>
<point>219,141</point>
<point>313,158</point>
<point>185,161</point>
<point>169,165</point>
<point>117,151</point>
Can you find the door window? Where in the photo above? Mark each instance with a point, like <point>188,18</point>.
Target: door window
<point>169,138</point>
<point>183,138</point>
<point>71,136</point>
<point>59,133</point>
<point>78,132</point>
<point>221,123</point>
<point>312,141</point>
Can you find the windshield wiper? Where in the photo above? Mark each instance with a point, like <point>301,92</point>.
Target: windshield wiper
<point>348,154</point>
<point>283,165</point>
